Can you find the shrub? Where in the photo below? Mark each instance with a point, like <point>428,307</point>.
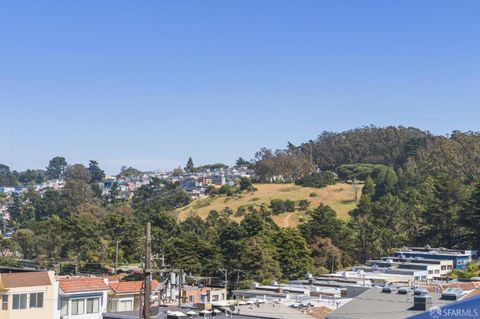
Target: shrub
<point>317,180</point>
<point>289,205</point>
<point>277,206</point>
<point>303,204</point>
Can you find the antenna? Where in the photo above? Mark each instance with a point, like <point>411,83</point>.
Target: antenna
<point>11,148</point>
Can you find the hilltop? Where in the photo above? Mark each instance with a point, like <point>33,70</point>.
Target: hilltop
<point>340,197</point>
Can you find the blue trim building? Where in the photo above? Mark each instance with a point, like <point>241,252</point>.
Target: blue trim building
<point>460,258</point>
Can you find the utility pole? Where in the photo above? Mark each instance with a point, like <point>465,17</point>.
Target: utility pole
<point>225,281</point>
<point>238,279</point>
<point>116,256</point>
<point>180,288</point>
<point>148,273</point>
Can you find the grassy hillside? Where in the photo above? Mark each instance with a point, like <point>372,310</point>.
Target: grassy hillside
<point>340,197</point>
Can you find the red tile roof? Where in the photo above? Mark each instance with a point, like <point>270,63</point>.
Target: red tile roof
<point>130,286</point>
<point>25,279</point>
<point>82,284</point>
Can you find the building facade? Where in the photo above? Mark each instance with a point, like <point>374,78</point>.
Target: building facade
<point>28,295</point>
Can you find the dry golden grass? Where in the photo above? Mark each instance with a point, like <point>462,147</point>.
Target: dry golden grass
<point>340,197</point>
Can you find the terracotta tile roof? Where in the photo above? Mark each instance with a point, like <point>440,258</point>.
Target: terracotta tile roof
<point>25,279</point>
<point>130,286</point>
<point>81,284</point>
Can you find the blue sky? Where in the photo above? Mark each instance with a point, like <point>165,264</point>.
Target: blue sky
<point>149,83</point>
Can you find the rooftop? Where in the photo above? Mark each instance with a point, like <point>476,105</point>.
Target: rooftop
<point>373,303</point>
<point>82,284</point>
<point>24,279</point>
<point>130,286</point>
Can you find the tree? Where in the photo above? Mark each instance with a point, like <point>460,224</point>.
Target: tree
<point>242,163</point>
<point>129,171</point>
<point>96,173</point>
<point>470,217</point>
<point>278,206</point>
<point>25,239</point>
<point>293,254</point>
<point>56,167</point>
<point>190,167</point>
<point>259,259</point>
<point>245,183</point>
<point>127,232</point>
<point>178,172</point>
<point>325,255</point>
<point>444,211</point>
<point>77,190</point>
<point>158,196</point>
<point>7,178</point>
<point>303,204</point>
<point>368,187</point>
<point>323,222</point>
<point>31,176</point>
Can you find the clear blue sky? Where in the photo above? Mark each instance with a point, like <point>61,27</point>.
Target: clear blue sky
<point>149,83</point>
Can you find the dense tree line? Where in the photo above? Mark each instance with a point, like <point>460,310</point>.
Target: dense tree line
<point>415,151</point>
<point>418,189</point>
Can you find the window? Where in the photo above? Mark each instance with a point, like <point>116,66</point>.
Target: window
<point>5,302</point>
<point>77,306</point>
<point>444,267</point>
<point>215,298</point>
<point>93,305</point>
<point>125,305</point>
<point>36,300</point>
<point>64,307</point>
<point>19,301</point>
<point>430,272</point>
<point>437,271</point>
<point>191,298</point>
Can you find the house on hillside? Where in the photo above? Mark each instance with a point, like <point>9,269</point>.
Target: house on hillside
<point>28,295</point>
<point>202,295</point>
<point>125,295</point>
<point>82,297</point>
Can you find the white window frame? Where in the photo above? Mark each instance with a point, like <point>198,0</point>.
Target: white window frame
<point>94,309</point>
<point>5,300</point>
<point>20,296</point>
<point>78,301</point>
<point>36,294</point>
<point>123,301</point>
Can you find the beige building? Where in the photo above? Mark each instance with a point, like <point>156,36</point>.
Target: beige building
<point>28,295</point>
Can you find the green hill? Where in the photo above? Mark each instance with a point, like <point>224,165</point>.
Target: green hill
<point>340,197</point>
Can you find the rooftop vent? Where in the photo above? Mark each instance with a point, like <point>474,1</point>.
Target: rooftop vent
<point>404,290</point>
<point>452,294</point>
<point>389,289</point>
<point>420,292</point>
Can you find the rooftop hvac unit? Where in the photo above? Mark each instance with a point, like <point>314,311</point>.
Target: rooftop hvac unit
<point>422,302</point>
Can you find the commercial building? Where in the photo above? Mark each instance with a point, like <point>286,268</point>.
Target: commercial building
<point>460,258</point>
